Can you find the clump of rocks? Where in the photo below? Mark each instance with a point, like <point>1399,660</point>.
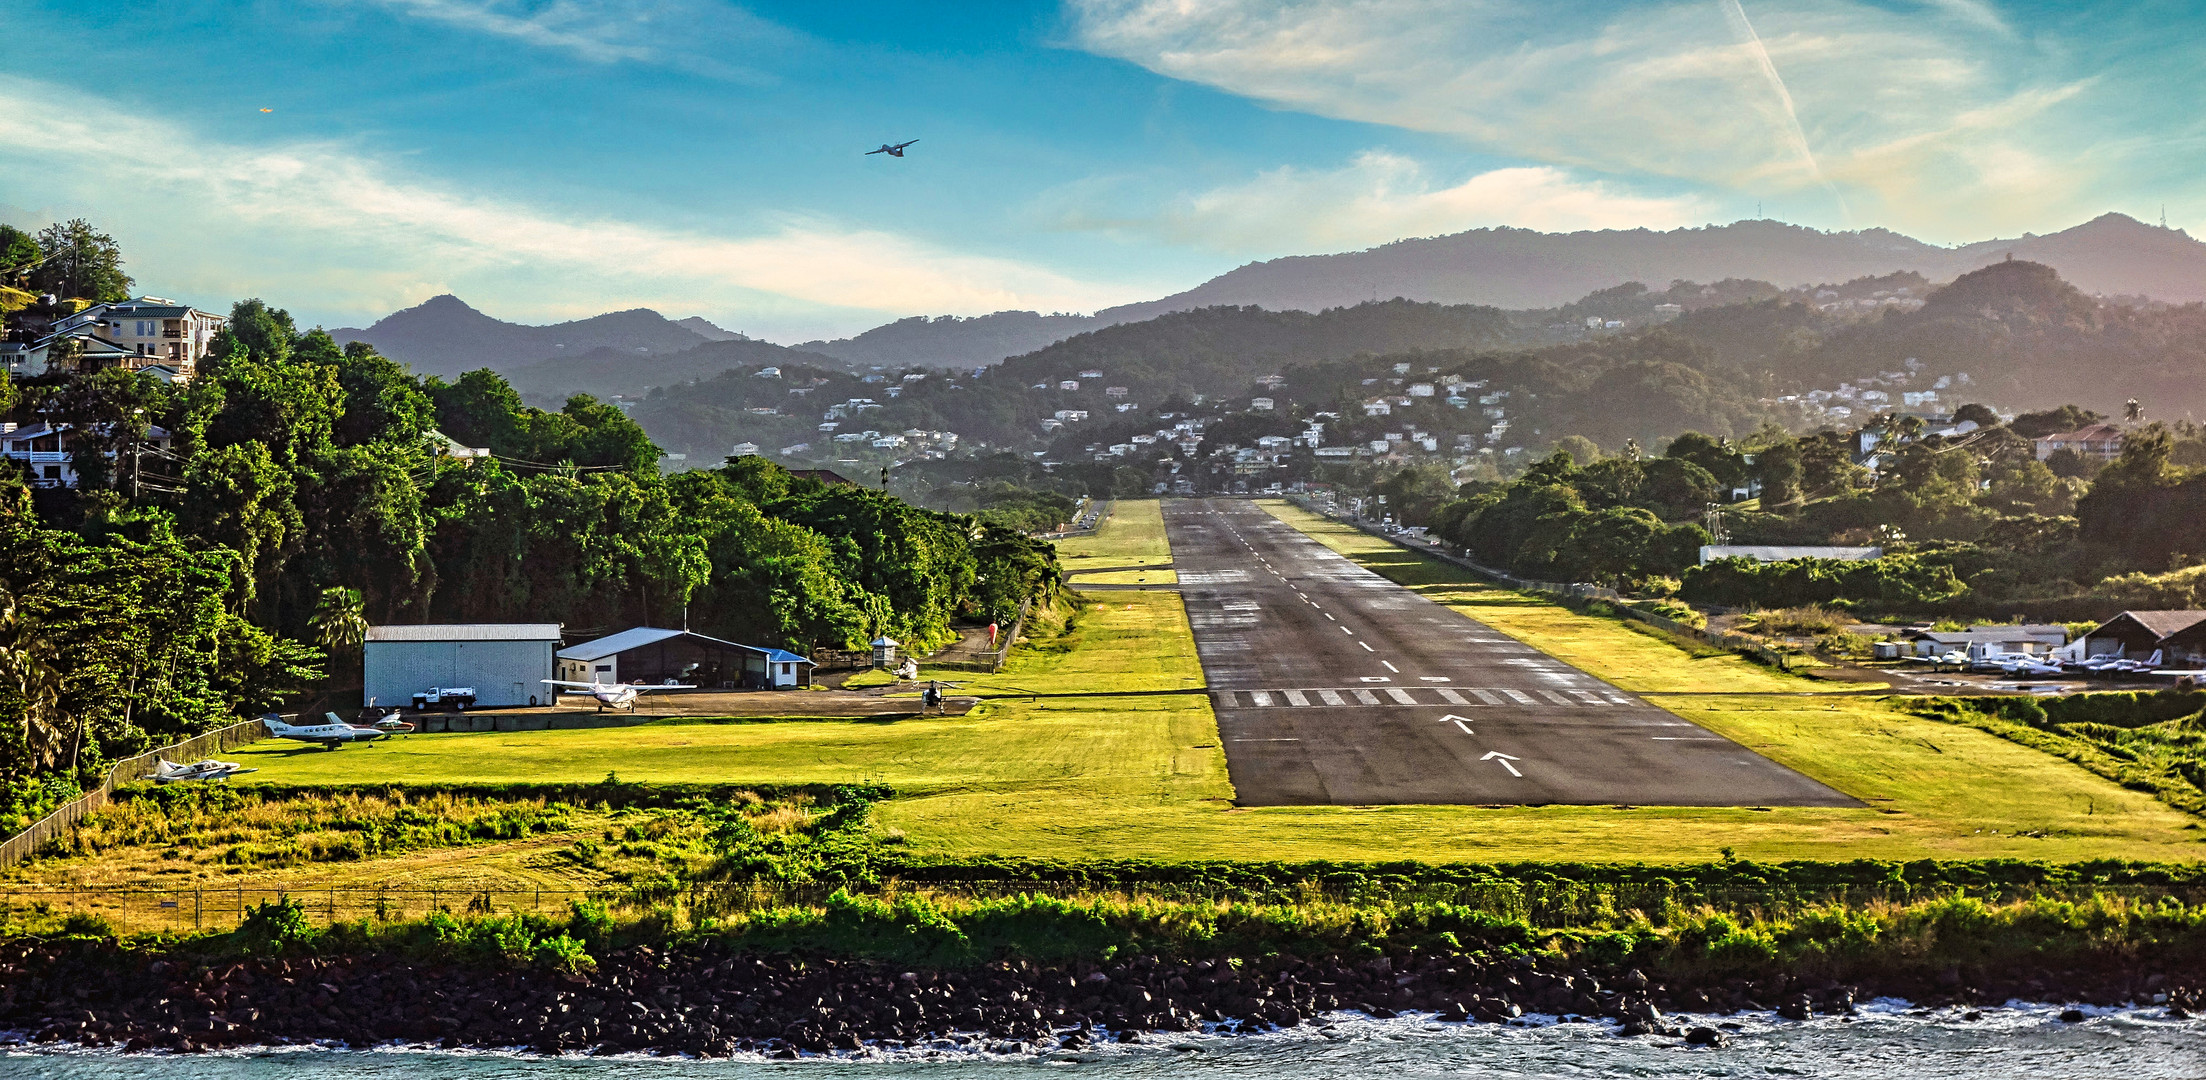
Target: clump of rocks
<point>711,999</point>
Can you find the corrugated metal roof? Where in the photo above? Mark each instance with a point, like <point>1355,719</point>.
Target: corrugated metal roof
<point>2161,623</point>
<point>466,632</point>
<point>1780,553</point>
<point>784,656</point>
<point>638,637</point>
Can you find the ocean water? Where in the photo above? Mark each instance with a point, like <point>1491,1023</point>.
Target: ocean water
<point>1885,1041</point>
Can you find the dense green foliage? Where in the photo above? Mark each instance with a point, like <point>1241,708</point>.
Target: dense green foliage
<point>1603,522</point>
<point>167,591</point>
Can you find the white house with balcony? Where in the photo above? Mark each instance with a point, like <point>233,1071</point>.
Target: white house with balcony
<point>148,332</point>
<point>42,451</point>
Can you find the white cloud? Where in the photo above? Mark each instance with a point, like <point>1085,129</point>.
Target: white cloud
<point>1380,197</point>
<point>703,36</point>
<point>1666,88</point>
<point>276,220</point>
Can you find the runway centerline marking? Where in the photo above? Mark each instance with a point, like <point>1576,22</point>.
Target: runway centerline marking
<point>1390,667</point>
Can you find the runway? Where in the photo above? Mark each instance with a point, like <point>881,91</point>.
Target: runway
<point>1334,685</point>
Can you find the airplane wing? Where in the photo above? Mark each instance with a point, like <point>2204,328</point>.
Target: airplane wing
<point>870,153</point>
<point>649,689</point>
<point>902,145</point>
<point>574,685</point>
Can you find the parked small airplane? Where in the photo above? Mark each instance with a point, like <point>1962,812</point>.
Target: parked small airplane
<point>895,150</point>
<point>618,695</point>
<point>169,772</point>
<point>333,734</point>
<point>391,720</point>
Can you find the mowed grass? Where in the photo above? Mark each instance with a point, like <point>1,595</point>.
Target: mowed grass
<point>1133,535</point>
<point>1162,576</point>
<point>1090,745</point>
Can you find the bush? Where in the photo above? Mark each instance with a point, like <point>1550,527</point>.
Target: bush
<point>1900,581</point>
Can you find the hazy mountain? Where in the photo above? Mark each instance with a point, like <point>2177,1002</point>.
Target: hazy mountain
<point>948,341</point>
<point>608,371</point>
<point>444,336</point>
<point>1224,350</point>
<point>705,328</point>
<point>1520,268</point>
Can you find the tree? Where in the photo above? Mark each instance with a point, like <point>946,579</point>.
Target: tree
<point>18,253</point>
<point>81,263</point>
<point>338,623</point>
<point>30,687</point>
<point>1981,415</point>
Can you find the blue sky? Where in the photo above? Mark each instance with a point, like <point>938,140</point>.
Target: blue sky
<point>547,159</point>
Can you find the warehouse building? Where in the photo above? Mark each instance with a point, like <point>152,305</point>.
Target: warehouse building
<point>504,663</point>
<point>649,654</point>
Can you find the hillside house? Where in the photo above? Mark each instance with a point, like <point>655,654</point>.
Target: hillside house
<point>2101,442</point>
<point>43,451</point>
<point>132,334</point>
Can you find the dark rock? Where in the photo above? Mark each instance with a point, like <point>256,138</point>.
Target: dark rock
<point>1705,1036</point>
<point>2071,1016</point>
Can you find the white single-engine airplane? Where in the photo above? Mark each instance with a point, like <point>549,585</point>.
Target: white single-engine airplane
<point>618,695</point>
<point>333,734</point>
<point>169,772</point>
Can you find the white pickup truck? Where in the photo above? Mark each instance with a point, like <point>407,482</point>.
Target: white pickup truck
<point>455,698</point>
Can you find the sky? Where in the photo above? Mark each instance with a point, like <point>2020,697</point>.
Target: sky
<point>553,159</point>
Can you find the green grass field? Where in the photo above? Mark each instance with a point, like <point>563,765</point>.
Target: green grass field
<point>1088,746</point>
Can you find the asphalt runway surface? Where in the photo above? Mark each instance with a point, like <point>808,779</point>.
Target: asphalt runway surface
<point>1336,686</point>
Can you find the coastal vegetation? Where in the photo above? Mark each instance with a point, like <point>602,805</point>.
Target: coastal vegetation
<point>178,584</point>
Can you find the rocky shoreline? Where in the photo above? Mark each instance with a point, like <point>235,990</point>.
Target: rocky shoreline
<point>710,1001</point>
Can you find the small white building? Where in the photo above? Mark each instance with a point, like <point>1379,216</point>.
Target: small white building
<point>504,663</point>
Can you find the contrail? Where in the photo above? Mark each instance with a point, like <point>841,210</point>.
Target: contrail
<point>1736,16</point>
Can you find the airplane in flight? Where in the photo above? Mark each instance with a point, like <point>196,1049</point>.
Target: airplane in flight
<point>334,734</point>
<point>618,695</point>
<point>892,150</point>
<point>169,772</point>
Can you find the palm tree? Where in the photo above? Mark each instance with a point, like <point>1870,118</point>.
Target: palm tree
<point>35,683</point>
<point>338,622</point>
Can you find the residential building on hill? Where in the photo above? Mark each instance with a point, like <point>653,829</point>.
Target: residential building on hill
<point>147,333</point>
<point>2101,441</point>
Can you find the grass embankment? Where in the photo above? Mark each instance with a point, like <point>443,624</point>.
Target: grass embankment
<point>1089,746</point>
<point>2151,742</point>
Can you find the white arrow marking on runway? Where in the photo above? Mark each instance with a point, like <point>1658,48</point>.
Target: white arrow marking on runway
<point>1505,759</point>
<point>1462,722</point>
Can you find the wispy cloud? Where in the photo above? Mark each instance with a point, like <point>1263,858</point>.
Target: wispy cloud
<point>1376,198</point>
<point>244,217</point>
<point>1682,89</point>
<point>702,36</point>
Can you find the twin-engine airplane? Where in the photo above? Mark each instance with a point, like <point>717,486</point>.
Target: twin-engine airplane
<point>169,772</point>
<point>333,734</point>
<point>891,149</point>
<point>619,695</point>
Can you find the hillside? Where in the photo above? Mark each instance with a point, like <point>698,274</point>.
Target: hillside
<point>947,341</point>
<point>1223,350</point>
<point>605,371</point>
<point>1521,268</point>
<point>444,336</point>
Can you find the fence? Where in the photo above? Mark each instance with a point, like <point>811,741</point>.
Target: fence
<point>991,661</point>
<point>1549,904</point>
<point>23,845</point>
<point>1739,643</point>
